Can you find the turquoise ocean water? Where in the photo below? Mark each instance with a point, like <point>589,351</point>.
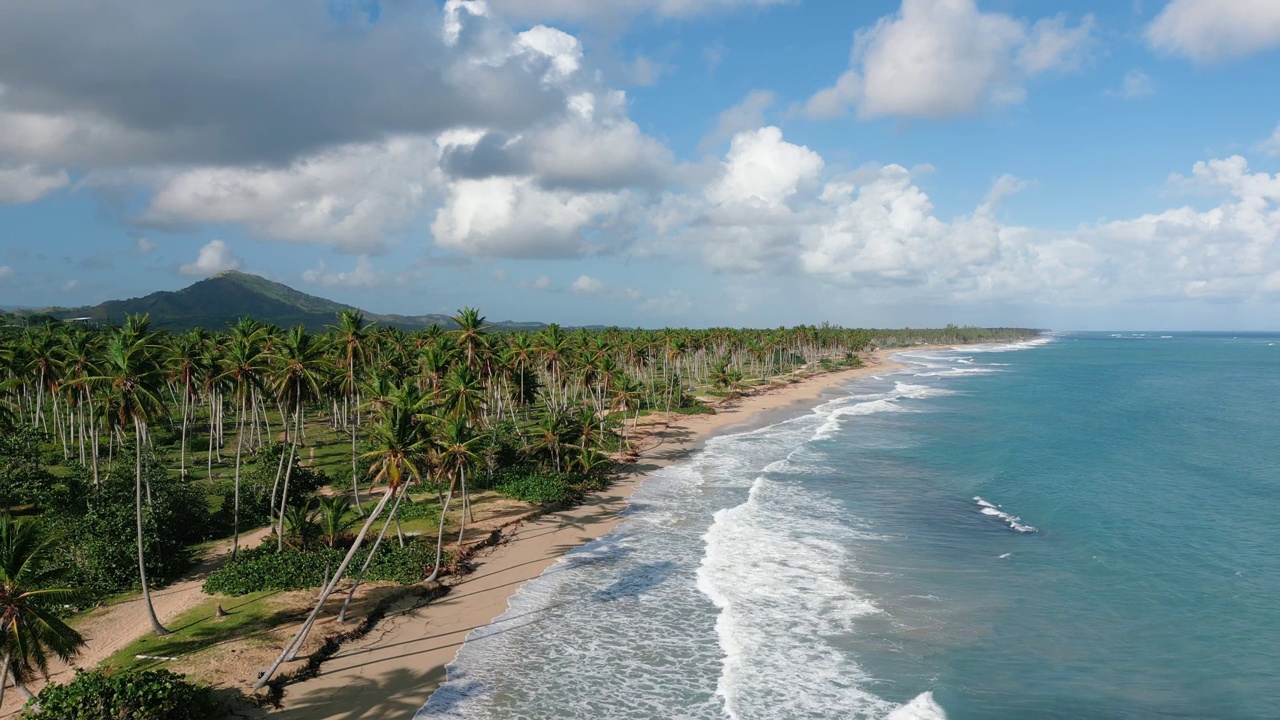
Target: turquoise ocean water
<point>1086,526</point>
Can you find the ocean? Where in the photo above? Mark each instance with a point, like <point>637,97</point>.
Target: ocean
<point>1081,526</point>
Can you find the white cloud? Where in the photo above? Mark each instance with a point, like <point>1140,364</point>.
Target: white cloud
<point>1136,84</point>
<point>594,287</point>
<point>763,170</point>
<point>614,10</point>
<point>746,115</point>
<point>145,246</point>
<point>362,276</point>
<point>70,285</point>
<point>875,231</point>
<point>586,285</point>
<point>28,183</point>
<point>542,284</point>
<point>1207,31</point>
<point>939,58</point>
<point>351,196</point>
<point>6,272</point>
<point>514,217</point>
<point>213,258</point>
<point>1271,146</point>
<point>674,302</point>
<point>744,220</point>
<point>501,275</point>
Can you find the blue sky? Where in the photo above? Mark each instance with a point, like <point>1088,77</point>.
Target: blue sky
<point>655,162</point>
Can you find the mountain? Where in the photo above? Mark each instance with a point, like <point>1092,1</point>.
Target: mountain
<point>219,300</point>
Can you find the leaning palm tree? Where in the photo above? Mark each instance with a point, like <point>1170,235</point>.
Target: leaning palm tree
<point>30,632</point>
<point>132,379</point>
<point>397,460</point>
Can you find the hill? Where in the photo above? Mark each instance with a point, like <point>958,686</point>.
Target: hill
<point>214,302</point>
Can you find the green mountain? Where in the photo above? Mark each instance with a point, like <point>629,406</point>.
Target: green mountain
<point>217,301</point>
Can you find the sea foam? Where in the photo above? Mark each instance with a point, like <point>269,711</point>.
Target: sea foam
<point>1014,522</point>
<point>778,587</point>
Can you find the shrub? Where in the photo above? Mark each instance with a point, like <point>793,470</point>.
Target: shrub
<point>98,528</point>
<point>262,568</point>
<point>143,695</point>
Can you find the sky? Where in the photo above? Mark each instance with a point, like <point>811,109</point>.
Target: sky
<point>1106,164</point>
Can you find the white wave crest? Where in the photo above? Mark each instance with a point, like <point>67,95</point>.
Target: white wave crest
<point>1014,522</point>
<point>921,707</point>
<point>780,595</point>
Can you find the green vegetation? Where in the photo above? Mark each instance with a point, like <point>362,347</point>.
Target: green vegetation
<point>132,445</point>
<point>145,695</point>
<point>263,568</point>
<point>201,627</point>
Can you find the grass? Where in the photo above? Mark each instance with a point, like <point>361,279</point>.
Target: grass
<point>198,629</point>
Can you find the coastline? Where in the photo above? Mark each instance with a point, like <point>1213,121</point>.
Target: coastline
<point>395,668</point>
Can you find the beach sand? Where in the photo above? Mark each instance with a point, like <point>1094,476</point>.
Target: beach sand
<point>390,672</point>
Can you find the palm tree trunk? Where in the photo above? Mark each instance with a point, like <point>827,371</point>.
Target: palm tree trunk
<point>182,451</point>
<point>292,648</point>
<point>288,471</point>
<point>342,614</point>
<point>137,509</point>
<point>444,513</point>
<point>235,510</point>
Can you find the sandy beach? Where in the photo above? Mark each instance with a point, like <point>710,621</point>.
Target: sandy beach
<point>392,671</point>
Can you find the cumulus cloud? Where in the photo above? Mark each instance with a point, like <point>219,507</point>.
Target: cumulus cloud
<point>28,183</point>
<point>363,275</point>
<point>589,286</point>
<point>542,284</point>
<point>351,196</point>
<point>939,58</point>
<point>594,10</point>
<point>1136,84</point>
<point>673,302</point>
<point>214,258</point>
<point>744,220</point>
<point>1271,146</point>
<point>875,230</point>
<point>1207,31</point>
<point>746,115</point>
<point>6,272</point>
<point>514,217</point>
<point>294,81</point>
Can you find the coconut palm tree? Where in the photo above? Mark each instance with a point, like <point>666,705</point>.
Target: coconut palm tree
<point>456,454</point>
<point>351,340</point>
<point>296,377</point>
<point>397,459</point>
<point>30,630</point>
<point>244,367</point>
<point>132,379</point>
<point>335,518</point>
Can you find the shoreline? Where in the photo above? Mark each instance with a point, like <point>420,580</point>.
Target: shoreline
<point>401,662</point>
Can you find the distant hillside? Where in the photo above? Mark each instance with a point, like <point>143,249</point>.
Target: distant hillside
<point>219,300</point>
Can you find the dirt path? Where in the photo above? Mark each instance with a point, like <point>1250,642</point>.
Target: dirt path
<point>108,629</point>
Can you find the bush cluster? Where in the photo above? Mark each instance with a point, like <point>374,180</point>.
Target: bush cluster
<point>262,568</point>
<point>547,488</point>
<point>143,695</point>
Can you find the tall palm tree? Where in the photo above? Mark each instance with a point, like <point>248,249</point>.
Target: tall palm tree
<point>296,378</point>
<point>351,339</point>
<point>456,454</point>
<point>30,631</point>
<point>244,367</point>
<point>132,378</point>
<point>397,460</point>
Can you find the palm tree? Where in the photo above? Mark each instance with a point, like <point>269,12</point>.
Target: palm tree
<point>28,593</point>
<point>470,337</point>
<point>351,338</point>
<point>296,379</point>
<point>335,518</point>
<point>456,455</point>
<point>132,379</point>
<point>397,460</point>
<point>244,367</point>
